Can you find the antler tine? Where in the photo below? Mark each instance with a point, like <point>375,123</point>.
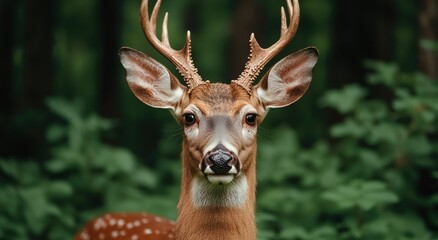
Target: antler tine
<point>154,15</point>
<point>259,57</point>
<point>164,32</point>
<point>180,58</point>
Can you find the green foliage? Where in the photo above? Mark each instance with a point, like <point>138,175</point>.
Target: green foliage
<point>373,179</point>
<point>429,44</point>
<point>83,177</point>
<point>363,195</point>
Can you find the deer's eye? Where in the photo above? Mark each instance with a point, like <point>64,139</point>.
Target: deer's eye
<point>189,119</point>
<point>251,119</point>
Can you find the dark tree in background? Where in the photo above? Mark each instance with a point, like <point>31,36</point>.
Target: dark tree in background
<point>247,18</point>
<point>28,80</point>
<point>37,80</point>
<point>7,19</point>
<point>363,30</point>
<point>427,24</point>
<point>109,79</point>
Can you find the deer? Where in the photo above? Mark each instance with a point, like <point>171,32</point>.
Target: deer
<point>219,122</point>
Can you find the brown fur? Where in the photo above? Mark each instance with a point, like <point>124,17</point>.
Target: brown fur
<point>209,223</point>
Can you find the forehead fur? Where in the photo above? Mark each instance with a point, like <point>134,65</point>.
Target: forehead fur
<point>219,97</point>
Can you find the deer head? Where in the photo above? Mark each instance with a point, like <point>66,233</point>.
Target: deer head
<point>220,120</point>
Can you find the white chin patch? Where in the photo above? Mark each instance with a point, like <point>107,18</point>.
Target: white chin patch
<point>209,192</point>
<point>220,179</point>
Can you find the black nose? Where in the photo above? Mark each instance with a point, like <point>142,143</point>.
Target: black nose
<point>219,162</point>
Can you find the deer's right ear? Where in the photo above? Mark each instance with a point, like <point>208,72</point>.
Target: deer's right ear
<point>288,80</point>
<point>150,81</point>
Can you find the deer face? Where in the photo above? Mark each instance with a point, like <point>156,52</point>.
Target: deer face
<point>220,125</point>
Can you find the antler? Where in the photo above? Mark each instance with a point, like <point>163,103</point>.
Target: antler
<point>259,57</point>
<point>182,59</point>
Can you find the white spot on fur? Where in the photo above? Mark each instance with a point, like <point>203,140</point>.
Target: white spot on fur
<point>120,223</point>
<point>112,222</point>
<point>100,223</point>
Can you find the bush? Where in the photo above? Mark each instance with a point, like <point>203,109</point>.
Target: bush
<point>376,178</point>
<point>83,178</point>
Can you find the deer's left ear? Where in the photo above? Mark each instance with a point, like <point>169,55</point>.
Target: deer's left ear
<point>287,80</point>
<point>150,81</point>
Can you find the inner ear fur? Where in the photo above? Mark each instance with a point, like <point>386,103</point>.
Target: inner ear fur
<point>150,81</point>
<point>288,79</point>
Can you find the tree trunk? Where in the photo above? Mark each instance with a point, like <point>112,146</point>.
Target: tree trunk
<point>427,31</point>
<point>7,33</point>
<point>248,19</point>
<point>363,30</point>
<point>37,79</point>
<point>109,82</point>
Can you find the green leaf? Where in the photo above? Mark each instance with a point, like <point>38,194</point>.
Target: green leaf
<point>383,73</point>
<point>114,160</point>
<point>144,177</point>
<point>294,233</point>
<point>396,225</point>
<point>70,111</point>
<point>344,100</point>
<point>55,133</point>
<point>348,128</point>
<point>386,132</point>
<point>9,201</point>
<point>15,168</point>
<point>281,151</point>
<point>59,189</point>
<point>363,194</point>
<point>429,45</point>
<point>37,209</point>
<point>418,145</point>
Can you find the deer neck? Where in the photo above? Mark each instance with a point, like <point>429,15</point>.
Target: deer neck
<point>216,211</point>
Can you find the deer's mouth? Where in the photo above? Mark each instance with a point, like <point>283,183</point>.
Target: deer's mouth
<point>220,178</point>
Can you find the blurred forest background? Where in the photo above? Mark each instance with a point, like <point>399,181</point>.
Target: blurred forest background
<point>355,158</point>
